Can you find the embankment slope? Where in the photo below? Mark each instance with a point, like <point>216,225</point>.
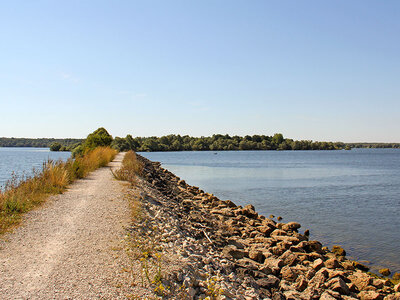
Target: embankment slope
<point>233,252</point>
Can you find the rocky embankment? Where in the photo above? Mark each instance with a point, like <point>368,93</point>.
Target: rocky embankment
<point>225,251</point>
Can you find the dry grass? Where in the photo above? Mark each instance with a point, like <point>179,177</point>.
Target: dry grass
<point>20,196</point>
<point>131,167</point>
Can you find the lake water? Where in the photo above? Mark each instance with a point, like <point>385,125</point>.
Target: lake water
<point>348,198</point>
<point>22,161</point>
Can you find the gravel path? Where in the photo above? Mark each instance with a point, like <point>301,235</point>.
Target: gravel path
<point>71,247</point>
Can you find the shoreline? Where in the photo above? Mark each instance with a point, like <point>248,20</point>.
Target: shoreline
<point>263,258</point>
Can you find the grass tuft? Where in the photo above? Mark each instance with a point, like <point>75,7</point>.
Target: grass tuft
<point>131,167</point>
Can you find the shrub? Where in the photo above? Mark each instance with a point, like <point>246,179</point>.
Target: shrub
<point>131,167</point>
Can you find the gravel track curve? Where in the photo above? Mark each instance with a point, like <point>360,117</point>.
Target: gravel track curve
<point>71,247</point>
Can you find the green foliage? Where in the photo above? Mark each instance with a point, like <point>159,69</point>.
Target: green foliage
<point>77,151</point>
<point>37,143</point>
<point>218,142</point>
<point>55,146</point>
<point>99,138</point>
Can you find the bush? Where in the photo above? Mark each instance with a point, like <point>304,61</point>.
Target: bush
<point>131,167</point>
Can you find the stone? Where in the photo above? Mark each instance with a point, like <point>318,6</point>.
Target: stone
<point>238,244</point>
<point>370,295</point>
<point>291,240</point>
<point>332,263</point>
<point>310,274</point>
<point>360,279</point>
<point>318,264</point>
<point>385,271</point>
<point>329,295</point>
<point>275,264</point>
<point>278,296</point>
<point>317,281</point>
<point>268,282</point>
<point>393,297</point>
<point>360,266</point>
<point>301,283</point>
<point>289,258</point>
<point>397,288</point>
<point>288,273</point>
<point>339,251</point>
<point>378,283</point>
<point>278,232</point>
<point>265,230</point>
<point>265,269</point>
<point>256,255</point>
<point>229,203</point>
<point>232,251</point>
<point>347,265</point>
<point>396,276</point>
<point>292,295</point>
<point>337,284</point>
<point>291,226</point>
<point>353,288</point>
<point>312,246</point>
<point>247,263</point>
<point>249,211</point>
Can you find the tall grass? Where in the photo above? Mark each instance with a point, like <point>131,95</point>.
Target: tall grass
<point>131,167</point>
<point>20,196</point>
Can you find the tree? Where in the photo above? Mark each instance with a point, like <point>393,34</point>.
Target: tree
<point>55,146</point>
<point>99,137</point>
<point>277,138</point>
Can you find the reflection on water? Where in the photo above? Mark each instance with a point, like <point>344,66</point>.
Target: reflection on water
<point>350,198</point>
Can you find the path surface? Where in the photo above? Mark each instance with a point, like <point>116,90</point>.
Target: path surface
<point>71,247</point>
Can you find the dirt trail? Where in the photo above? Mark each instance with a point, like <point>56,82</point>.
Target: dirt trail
<point>71,247</point>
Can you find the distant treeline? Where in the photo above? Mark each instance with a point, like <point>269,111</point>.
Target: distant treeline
<point>219,142</point>
<point>188,143</point>
<point>373,145</point>
<point>38,143</point>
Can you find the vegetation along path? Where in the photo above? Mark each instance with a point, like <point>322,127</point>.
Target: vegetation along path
<point>71,247</point>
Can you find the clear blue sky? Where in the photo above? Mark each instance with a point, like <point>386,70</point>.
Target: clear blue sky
<point>320,70</point>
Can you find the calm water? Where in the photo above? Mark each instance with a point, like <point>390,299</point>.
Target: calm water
<point>22,161</point>
<point>350,198</point>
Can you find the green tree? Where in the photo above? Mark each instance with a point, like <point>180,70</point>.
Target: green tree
<point>277,138</point>
<point>55,146</point>
<point>99,137</point>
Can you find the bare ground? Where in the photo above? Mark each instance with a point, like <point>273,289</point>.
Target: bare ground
<point>71,248</point>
